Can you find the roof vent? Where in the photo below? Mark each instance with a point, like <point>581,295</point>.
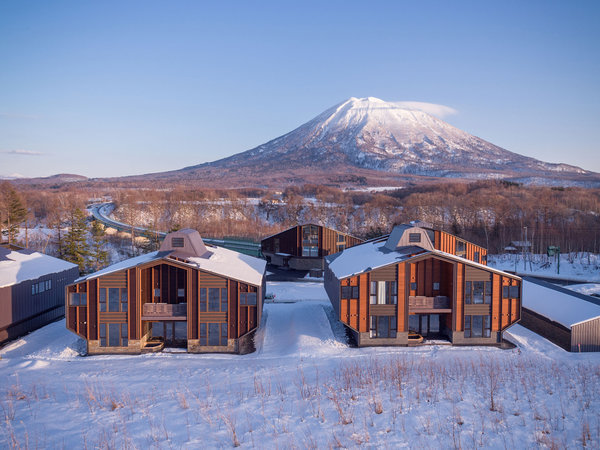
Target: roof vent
<point>185,243</point>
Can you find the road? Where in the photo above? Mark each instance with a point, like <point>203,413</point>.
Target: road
<point>101,212</point>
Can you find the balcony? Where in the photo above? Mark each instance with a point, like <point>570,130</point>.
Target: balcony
<point>164,311</point>
<point>419,304</point>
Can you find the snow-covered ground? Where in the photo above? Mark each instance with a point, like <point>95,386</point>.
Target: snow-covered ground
<point>303,387</point>
<point>575,266</point>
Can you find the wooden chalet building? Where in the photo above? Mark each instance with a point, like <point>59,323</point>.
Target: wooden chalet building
<point>187,294</point>
<point>32,290</point>
<point>425,281</point>
<point>303,247</point>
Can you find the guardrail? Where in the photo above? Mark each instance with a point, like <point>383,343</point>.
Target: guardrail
<point>102,210</point>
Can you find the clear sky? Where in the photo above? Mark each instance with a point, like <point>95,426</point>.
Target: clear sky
<point>126,87</point>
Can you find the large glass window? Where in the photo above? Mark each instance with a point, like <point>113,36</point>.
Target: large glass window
<point>310,240</point>
<point>478,326</point>
<point>113,299</point>
<point>214,334</point>
<point>383,293</point>
<point>248,295</point>
<point>213,299</point>
<point>349,292</point>
<point>478,292</point>
<point>113,335</point>
<point>77,299</point>
<point>383,326</point>
<point>510,292</point>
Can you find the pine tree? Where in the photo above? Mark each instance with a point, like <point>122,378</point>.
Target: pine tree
<point>98,253</point>
<point>14,212</point>
<point>76,248</point>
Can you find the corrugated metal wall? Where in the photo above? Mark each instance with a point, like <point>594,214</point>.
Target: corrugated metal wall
<point>585,336</point>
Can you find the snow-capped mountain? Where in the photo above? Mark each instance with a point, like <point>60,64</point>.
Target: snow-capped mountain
<point>373,134</point>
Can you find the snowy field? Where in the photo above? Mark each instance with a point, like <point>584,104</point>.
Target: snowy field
<point>302,388</point>
<point>581,266</point>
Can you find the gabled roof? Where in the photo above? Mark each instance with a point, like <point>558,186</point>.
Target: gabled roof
<point>366,257</point>
<point>373,255</point>
<point>21,265</point>
<point>221,261</point>
<point>304,224</point>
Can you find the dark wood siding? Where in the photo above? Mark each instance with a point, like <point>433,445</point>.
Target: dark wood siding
<point>93,309</point>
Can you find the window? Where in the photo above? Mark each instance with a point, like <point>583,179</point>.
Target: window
<point>310,241</point>
<point>113,335</point>
<point>77,299</point>
<point>42,286</point>
<point>436,286</point>
<point>483,259</point>
<point>180,293</point>
<point>177,242</point>
<point>476,257</point>
<point>349,292</point>
<point>383,293</point>
<point>477,326</point>
<point>341,238</point>
<point>157,292</point>
<point>414,237</point>
<point>214,334</point>
<point>413,286</point>
<point>510,292</point>
<point>213,299</point>
<point>248,298</point>
<point>478,292</point>
<point>383,327</point>
<point>113,299</point>
<point>460,248</point>
<point>341,247</point>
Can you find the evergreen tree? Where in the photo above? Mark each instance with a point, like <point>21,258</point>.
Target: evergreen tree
<point>76,248</point>
<point>98,253</point>
<point>14,212</point>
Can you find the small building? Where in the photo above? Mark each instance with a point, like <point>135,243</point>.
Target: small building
<point>187,294</point>
<point>569,319</point>
<point>419,280</point>
<point>303,247</point>
<point>32,290</point>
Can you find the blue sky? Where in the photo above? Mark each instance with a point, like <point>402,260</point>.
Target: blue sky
<point>118,88</point>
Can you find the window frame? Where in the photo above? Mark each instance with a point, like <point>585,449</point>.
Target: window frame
<point>376,331</point>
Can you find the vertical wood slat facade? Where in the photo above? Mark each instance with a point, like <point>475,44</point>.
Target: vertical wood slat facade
<point>290,241</point>
<point>446,242</point>
<point>429,276</point>
<point>168,277</point>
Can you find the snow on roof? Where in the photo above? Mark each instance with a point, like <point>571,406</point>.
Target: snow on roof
<point>221,261</point>
<point>126,264</point>
<point>558,306</point>
<point>366,257</point>
<point>17,266</point>
<point>372,255</point>
<point>229,263</point>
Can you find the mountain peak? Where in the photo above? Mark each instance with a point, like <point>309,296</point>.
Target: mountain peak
<point>400,138</point>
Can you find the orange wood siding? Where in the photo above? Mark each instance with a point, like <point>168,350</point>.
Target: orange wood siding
<point>413,279</point>
<point>363,306</point>
<point>402,300</point>
<point>496,299</point>
<point>459,313</point>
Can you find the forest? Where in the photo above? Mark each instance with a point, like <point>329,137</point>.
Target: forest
<point>489,213</point>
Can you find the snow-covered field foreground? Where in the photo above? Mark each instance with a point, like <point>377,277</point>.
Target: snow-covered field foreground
<point>303,387</point>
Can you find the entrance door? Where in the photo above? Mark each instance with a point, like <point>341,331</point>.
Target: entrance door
<point>424,324</point>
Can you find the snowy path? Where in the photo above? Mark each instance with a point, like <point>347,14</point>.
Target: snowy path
<point>297,330</point>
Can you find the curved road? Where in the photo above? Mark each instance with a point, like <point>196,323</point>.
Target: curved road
<point>101,211</point>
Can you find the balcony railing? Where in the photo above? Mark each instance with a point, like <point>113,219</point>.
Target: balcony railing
<point>164,311</point>
<point>423,304</point>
